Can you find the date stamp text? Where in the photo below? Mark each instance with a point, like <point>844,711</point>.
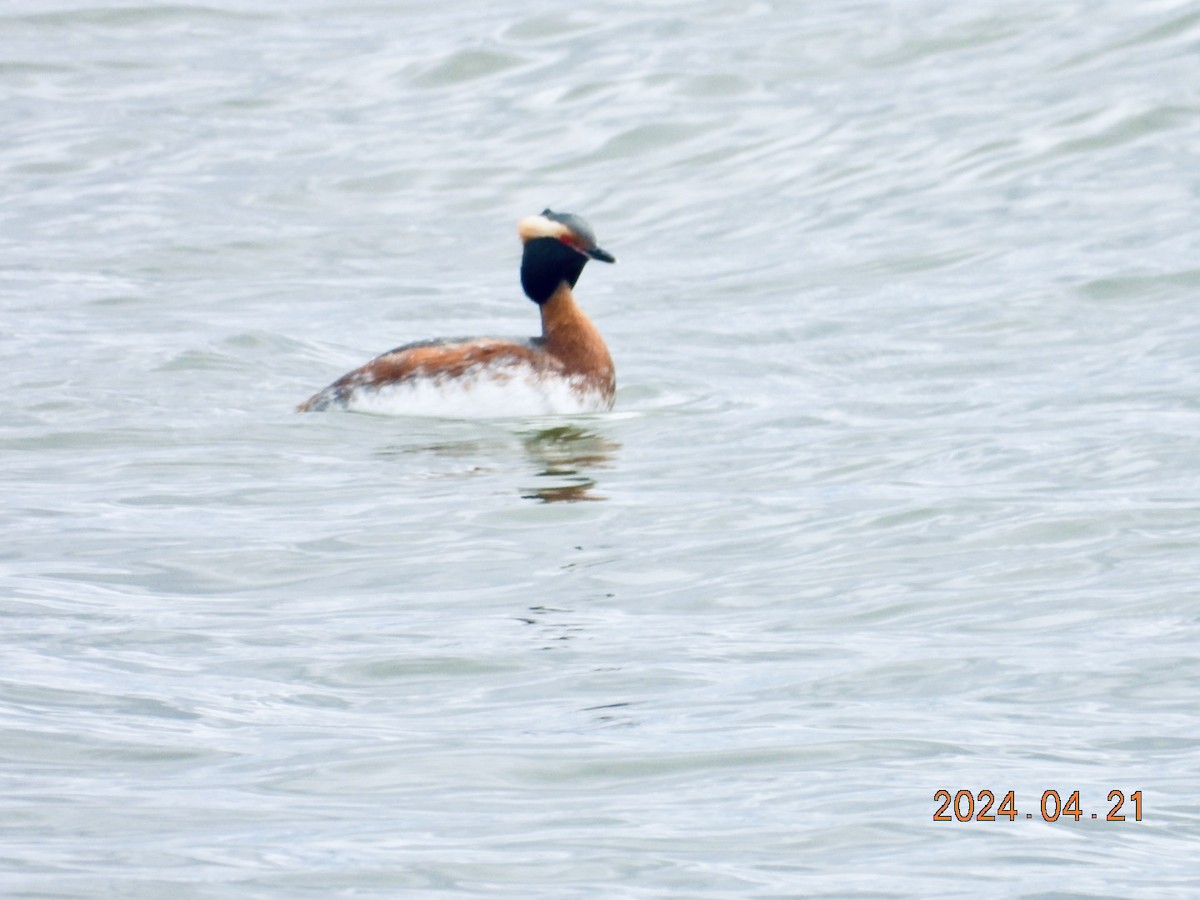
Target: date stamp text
<point>981,806</point>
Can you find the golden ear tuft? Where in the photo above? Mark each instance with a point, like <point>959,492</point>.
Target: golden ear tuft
<point>539,227</point>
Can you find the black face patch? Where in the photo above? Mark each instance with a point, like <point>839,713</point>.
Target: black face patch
<point>547,263</point>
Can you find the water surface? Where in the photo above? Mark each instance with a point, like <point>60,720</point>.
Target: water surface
<point>900,493</point>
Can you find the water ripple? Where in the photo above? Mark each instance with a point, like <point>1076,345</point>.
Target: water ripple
<point>900,492</point>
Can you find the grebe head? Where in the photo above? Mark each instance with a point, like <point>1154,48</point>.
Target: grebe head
<point>557,247</point>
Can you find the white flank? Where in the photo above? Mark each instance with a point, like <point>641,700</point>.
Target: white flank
<point>480,395</point>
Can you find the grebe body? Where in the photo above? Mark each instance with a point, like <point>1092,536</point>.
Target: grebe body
<point>567,369</point>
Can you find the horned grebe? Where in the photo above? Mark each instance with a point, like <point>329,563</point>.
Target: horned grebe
<point>565,370</point>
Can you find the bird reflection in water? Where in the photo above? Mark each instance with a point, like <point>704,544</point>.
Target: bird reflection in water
<point>567,454</point>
